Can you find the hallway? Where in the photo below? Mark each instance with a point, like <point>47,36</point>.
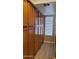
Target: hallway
<point>47,51</point>
<point>39,30</point>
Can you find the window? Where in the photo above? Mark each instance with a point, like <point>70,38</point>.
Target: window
<point>37,26</point>
<point>49,26</point>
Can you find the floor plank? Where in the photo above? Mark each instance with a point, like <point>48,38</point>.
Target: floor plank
<point>47,51</point>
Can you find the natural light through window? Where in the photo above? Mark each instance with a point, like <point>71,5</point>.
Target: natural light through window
<point>49,26</point>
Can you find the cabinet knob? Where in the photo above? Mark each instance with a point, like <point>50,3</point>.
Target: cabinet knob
<point>24,26</point>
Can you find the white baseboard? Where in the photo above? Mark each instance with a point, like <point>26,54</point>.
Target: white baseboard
<point>49,42</point>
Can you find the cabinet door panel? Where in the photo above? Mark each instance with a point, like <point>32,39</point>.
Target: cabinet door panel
<point>25,28</point>
<point>25,13</point>
<point>31,30</point>
<point>25,42</point>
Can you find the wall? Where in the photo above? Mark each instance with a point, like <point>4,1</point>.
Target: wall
<point>42,1</point>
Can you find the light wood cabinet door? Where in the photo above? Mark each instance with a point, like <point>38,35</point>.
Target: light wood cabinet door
<point>25,43</point>
<point>31,30</point>
<point>25,13</point>
<point>25,28</point>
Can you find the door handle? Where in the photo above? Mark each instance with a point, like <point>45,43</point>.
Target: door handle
<point>24,26</point>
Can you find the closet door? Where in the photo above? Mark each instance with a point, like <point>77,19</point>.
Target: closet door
<point>25,13</point>
<point>31,30</point>
<point>25,28</point>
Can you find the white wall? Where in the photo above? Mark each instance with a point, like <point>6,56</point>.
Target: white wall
<point>42,1</point>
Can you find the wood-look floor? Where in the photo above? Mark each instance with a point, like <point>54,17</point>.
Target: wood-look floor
<point>47,51</point>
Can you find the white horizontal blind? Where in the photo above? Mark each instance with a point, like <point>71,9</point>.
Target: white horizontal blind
<point>49,26</point>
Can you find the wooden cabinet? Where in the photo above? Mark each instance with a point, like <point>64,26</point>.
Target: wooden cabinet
<point>28,30</point>
<point>25,28</point>
<point>33,30</point>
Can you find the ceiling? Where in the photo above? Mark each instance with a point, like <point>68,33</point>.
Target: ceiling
<point>42,1</point>
<point>47,10</point>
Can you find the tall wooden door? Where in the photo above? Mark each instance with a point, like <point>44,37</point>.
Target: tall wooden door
<point>31,30</point>
<point>28,31</point>
<point>25,29</point>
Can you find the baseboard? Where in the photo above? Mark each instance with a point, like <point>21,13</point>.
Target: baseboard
<point>49,42</point>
